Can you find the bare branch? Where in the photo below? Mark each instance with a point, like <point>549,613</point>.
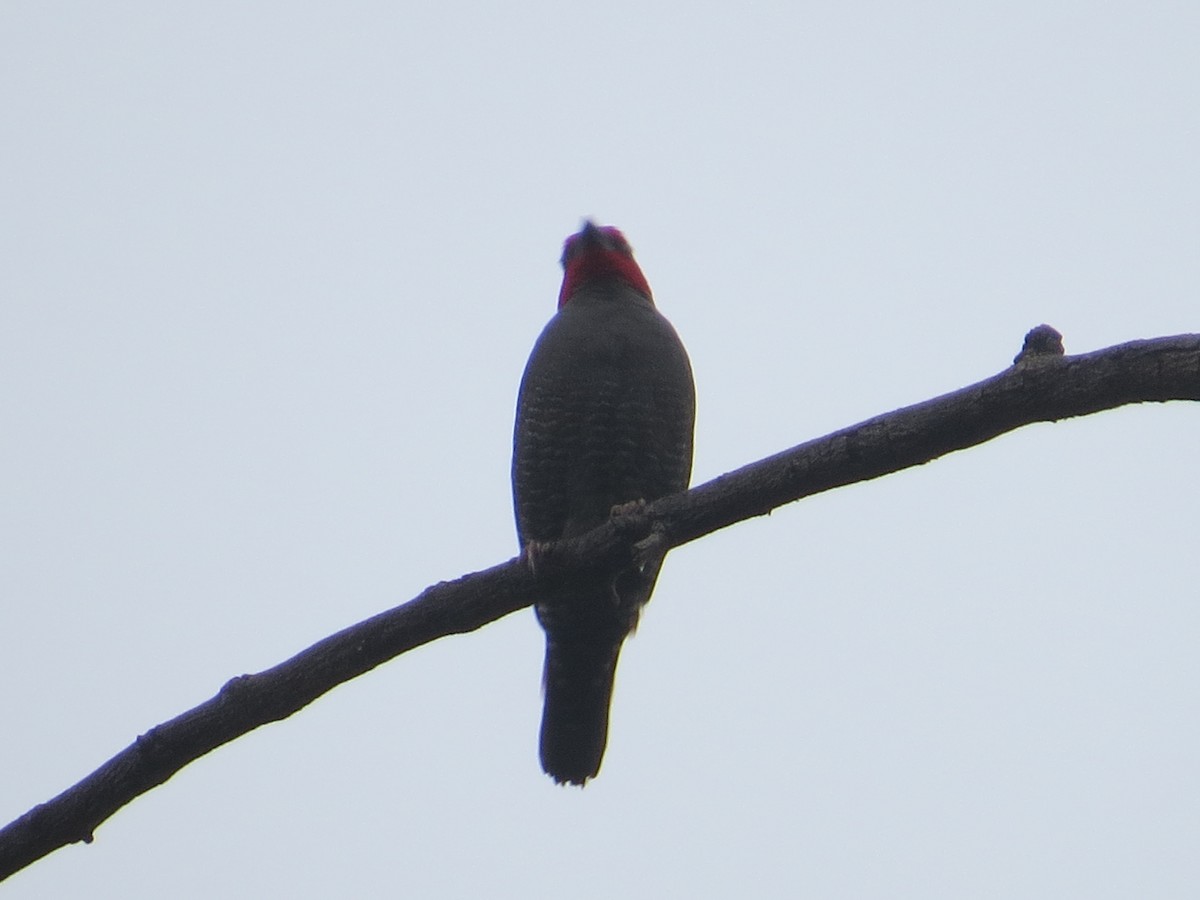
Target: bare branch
<point>1042,386</point>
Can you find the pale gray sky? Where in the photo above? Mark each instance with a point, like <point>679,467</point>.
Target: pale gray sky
<point>270,275</point>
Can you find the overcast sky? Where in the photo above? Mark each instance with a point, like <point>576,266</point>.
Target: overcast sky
<point>270,275</point>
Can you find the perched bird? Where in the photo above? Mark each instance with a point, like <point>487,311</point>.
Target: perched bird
<point>605,416</point>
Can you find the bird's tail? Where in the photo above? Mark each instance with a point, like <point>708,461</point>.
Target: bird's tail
<point>579,682</point>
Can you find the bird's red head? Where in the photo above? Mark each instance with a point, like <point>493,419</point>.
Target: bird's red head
<point>598,252</point>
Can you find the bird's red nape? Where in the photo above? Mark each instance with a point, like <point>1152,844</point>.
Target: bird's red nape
<point>598,252</point>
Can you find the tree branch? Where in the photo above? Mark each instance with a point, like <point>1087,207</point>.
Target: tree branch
<point>1042,386</point>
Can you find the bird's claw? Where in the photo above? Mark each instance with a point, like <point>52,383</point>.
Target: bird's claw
<point>632,517</point>
<point>651,549</point>
<point>532,552</point>
<point>629,516</point>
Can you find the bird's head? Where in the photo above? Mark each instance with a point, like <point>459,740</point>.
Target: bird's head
<point>595,253</point>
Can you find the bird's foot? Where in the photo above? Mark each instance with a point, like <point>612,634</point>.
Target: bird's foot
<point>629,516</point>
<point>632,517</point>
<point>533,553</point>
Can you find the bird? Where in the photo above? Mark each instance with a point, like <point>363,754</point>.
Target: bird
<point>605,417</point>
